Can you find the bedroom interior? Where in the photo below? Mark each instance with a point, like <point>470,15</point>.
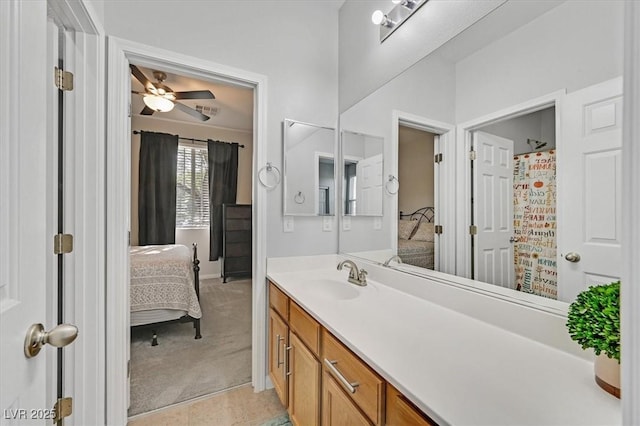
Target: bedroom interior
<point>416,201</point>
<point>208,122</point>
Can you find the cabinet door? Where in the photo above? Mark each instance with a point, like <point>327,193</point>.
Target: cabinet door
<point>337,408</point>
<point>304,384</point>
<point>400,412</point>
<point>278,336</point>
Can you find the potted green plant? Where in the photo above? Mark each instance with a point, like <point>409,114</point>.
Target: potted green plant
<point>594,322</point>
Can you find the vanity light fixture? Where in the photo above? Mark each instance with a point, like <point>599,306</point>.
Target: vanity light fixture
<point>389,22</point>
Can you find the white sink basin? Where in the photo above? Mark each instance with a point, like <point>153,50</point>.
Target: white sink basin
<point>332,289</point>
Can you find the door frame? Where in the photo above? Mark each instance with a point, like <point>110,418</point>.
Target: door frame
<point>84,183</point>
<point>464,143</point>
<point>445,178</point>
<point>120,53</point>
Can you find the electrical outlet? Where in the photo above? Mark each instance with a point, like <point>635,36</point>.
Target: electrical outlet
<point>346,223</point>
<point>327,223</point>
<point>287,224</point>
<point>377,223</point>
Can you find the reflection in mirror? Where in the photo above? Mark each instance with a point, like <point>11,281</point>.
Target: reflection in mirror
<point>309,171</point>
<point>362,174</point>
<point>518,252</point>
<point>518,229</point>
<point>416,197</point>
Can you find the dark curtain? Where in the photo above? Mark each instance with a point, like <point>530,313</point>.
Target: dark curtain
<point>223,185</point>
<point>157,190</point>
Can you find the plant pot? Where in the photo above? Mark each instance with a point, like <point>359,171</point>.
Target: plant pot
<point>607,372</point>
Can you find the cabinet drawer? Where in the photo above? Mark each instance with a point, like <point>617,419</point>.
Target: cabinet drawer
<point>305,327</point>
<point>401,412</point>
<point>279,301</point>
<point>368,387</point>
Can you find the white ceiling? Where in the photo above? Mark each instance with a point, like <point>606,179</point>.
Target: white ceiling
<point>234,103</point>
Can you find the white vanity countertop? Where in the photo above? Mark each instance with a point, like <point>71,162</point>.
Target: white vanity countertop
<point>458,369</point>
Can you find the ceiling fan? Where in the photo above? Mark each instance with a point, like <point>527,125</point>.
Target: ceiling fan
<point>161,98</point>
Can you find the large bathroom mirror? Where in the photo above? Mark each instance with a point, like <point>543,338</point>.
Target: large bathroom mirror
<point>516,192</point>
<point>362,167</point>
<point>309,169</point>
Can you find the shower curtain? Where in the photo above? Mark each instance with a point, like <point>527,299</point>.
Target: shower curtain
<point>534,223</point>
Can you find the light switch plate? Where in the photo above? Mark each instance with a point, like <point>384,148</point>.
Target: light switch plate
<point>287,224</point>
<point>377,223</point>
<point>346,223</point>
<point>327,223</point>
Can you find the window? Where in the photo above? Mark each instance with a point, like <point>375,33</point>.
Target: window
<point>192,195</point>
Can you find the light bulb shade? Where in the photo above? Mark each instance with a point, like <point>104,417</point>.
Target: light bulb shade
<point>377,17</point>
<point>396,1</point>
<point>158,103</point>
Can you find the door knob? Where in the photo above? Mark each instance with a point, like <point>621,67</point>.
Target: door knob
<point>59,337</point>
<point>572,257</point>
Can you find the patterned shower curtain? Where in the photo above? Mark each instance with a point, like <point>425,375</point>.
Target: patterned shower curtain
<point>534,223</point>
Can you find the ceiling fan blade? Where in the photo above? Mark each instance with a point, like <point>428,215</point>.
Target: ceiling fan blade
<point>147,111</point>
<point>191,111</point>
<point>141,77</point>
<point>195,94</point>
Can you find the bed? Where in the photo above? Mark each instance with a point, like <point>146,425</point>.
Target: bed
<point>165,286</point>
<point>416,237</point>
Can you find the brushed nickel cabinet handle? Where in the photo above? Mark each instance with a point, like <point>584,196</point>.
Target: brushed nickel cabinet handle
<point>279,363</point>
<point>351,386</point>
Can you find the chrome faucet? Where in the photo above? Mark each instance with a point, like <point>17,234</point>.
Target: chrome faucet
<point>356,276</point>
<point>391,259</point>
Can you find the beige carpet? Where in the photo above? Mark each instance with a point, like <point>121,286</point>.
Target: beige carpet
<point>181,368</point>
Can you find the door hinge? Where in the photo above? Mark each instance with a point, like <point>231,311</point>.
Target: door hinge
<point>473,230</point>
<point>63,79</point>
<point>437,229</point>
<point>63,408</point>
<point>472,155</point>
<point>438,158</point>
<point>62,243</point>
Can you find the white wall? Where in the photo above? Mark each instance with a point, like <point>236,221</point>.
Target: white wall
<point>294,44</point>
<point>539,126</point>
<point>575,45</point>
<point>366,64</point>
<point>415,169</point>
<point>197,131</point>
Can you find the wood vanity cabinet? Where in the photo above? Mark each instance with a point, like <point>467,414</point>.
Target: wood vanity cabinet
<point>321,382</point>
<point>278,343</point>
<point>337,408</point>
<point>401,412</point>
<point>295,371</point>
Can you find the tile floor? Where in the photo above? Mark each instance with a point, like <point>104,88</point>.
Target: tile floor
<point>236,407</point>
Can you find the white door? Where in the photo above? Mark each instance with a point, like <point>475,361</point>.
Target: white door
<point>369,185</point>
<point>24,244</point>
<point>589,189</point>
<point>493,209</point>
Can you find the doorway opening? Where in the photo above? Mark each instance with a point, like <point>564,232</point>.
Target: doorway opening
<point>211,127</point>
<point>416,196</point>
<point>513,204</point>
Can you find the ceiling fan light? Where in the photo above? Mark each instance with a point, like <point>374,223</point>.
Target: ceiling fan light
<point>158,103</point>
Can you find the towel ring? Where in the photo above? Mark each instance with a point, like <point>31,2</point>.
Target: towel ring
<point>269,169</point>
<point>299,198</point>
<point>391,183</point>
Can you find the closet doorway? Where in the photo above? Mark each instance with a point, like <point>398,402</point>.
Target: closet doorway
<point>209,130</point>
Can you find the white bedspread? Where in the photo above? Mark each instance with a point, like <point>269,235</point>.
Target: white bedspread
<point>162,278</point>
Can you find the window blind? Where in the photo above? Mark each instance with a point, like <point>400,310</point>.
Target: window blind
<point>192,195</point>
